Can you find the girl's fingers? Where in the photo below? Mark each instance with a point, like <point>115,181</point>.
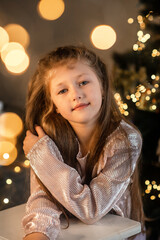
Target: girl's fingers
<point>28,132</point>
<point>40,131</point>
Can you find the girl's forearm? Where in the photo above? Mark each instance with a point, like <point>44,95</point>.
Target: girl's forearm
<point>36,236</point>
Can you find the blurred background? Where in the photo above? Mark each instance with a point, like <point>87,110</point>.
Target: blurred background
<point>125,34</point>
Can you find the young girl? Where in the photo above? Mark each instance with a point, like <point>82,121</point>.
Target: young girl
<point>83,154</point>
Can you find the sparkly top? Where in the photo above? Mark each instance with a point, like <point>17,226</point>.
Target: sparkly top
<point>108,190</point>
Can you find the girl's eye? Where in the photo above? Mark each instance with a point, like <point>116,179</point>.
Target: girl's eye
<point>83,83</point>
<point>62,91</point>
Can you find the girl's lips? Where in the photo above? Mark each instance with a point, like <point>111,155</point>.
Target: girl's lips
<point>80,106</point>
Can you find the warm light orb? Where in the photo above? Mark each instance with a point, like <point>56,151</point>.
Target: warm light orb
<point>12,140</point>
<point>11,125</point>
<point>15,57</point>
<point>103,37</point>
<point>9,150</point>
<point>22,66</point>
<point>130,20</point>
<point>6,200</point>
<point>17,169</point>
<point>51,9</point>
<point>8,48</point>
<point>4,38</point>
<point>17,33</point>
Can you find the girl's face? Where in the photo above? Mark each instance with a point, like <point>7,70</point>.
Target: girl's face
<point>77,93</point>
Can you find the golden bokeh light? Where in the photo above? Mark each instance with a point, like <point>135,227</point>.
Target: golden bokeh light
<point>9,47</point>
<point>17,169</point>
<point>130,20</point>
<point>12,140</point>
<point>9,181</point>
<point>11,125</point>
<point>15,57</point>
<point>9,150</point>
<point>51,9</point>
<point>20,68</point>
<point>6,200</point>
<point>26,163</point>
<point>4,38</point>
<point>17,33</point>
<point>103,37</point>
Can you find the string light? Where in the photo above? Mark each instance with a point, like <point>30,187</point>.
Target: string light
<point>6,200</point>
<point>17,169</point>
<point>9,181</point>
<point>26,163</point>
<point>151,189</point>
<point>130,20</point>
<point>122,106</point>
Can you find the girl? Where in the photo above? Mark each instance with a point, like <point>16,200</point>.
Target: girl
<point>83,155</point>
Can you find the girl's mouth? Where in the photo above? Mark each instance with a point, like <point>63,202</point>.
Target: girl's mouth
<point>80,106</point>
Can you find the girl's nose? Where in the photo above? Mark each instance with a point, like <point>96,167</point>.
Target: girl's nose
<point>76,94</point>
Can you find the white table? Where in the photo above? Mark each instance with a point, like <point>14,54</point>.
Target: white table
<point>110,227</point>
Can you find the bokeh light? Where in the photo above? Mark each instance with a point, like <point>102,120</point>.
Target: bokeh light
<point>103,37</point>
<point>51,9</point>
<point>17,33</point>
<point>9,150</point>
<point>4,38</point>
<point>17,169</point>
<point>11,125</point>
<point>22,66</point>
<point>14,57</point>
<point>9,47</point>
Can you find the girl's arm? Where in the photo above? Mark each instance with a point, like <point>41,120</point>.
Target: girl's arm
<point>41,220</point>
<point>88,203</point>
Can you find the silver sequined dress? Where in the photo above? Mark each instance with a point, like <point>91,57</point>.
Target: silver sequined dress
<point>108,190</point>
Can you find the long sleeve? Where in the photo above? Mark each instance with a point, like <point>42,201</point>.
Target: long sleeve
<point>41,214</point>
<point>88,203</point>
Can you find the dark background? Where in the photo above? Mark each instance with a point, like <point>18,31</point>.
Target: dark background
<point>74,27</point>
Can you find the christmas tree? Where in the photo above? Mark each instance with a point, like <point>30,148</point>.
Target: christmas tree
<point>137,87</point>
<point>137,72</point>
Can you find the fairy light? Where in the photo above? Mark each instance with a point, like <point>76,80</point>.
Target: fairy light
<point>153,90</point>
<point>152,197</point>
<point>17,169</point>
<point>128,97</point>
<point>148,91</point>
<point>5,155</point>
<point>153,182</point>
<point>138,104</point>
<point>155,186</point>
<point>147,191</point>
<point>135,47</point>
<point>6,200</point>
<point>156,85</point>
<point>122,106</point>
<point>130,20</point>
<point>147,98</point>
<point>149,187</point>
<point>9,181</point>
<point>147,182</point>
<point>153,76</point>
<point>26,163</point>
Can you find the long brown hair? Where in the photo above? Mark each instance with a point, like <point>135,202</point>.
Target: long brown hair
<point>40,109</point>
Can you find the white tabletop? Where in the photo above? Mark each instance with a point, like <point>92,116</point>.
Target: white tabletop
<point>110,227</point>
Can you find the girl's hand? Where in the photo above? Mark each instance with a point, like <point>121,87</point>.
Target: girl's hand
<point>31,139</point>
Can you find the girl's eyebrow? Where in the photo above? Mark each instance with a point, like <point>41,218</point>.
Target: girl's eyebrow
<point>63,81</point>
